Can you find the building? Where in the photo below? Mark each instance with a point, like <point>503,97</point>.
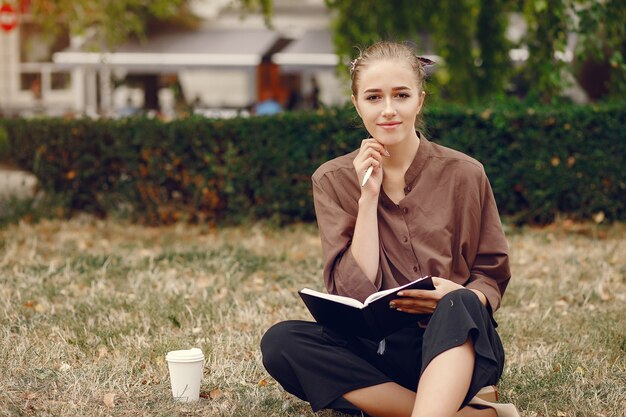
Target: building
<point>221,69</point>
<point>29,81</point>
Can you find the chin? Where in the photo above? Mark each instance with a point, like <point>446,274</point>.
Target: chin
<point>391,138</point>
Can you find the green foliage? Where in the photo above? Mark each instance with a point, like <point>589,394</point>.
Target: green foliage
<point>548,23</point>
<point>603,38</point>
<point>467,34</point>
<point>109,23</point>
<point>4,143</point>
<point>541,161</point>
<point>470,36</point>
<point>264,6</point>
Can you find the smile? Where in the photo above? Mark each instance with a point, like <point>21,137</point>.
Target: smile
<point>390,125</point>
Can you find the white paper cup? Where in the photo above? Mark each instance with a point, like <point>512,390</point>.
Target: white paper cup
<point>185,373</point>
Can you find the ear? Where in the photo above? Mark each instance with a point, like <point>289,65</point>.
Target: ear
<point>355,105</point>
<point>421,101</point>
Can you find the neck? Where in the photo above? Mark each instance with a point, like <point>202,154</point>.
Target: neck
<point>403,153</point>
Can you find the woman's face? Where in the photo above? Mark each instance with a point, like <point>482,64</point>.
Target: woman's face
<point>388,100</point>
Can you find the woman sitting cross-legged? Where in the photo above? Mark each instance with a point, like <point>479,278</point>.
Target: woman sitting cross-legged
<point>425,210</point>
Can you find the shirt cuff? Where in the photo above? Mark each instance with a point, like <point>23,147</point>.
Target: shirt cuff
<point>492,294</point>
<point>350,280</point>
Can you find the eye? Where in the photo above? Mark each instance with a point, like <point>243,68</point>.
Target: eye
<point>372,97</point>
<point>403,95</point>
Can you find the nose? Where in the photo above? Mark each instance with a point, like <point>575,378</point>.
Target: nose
<point>388,110</point>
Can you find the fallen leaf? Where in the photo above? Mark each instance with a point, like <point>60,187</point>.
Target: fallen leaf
<point>561,303</point>
<point>221,294</point>
<point>109,399</point>
<point>263,382</point>
<point>215,393</point>
<point>598,217</point>
<point>102,352</point>
<point>29,395</point>
<point>40,308</point>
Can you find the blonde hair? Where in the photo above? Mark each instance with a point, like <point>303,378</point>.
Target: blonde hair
<point>391,51</point>
<point>388,51</point>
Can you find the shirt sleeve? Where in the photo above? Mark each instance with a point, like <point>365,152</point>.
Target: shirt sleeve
<point>490,272</point>
<point>336,222</point>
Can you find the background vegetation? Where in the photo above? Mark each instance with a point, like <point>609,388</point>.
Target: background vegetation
<point>469,35</point>
<point>542,162</point>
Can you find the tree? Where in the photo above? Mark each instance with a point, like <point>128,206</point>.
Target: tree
<point>263,6</point>
<point>599,65</point>
<point>549,23</point>
<point>467,34</point>
<point>108,23</point>
<point>601,47</point>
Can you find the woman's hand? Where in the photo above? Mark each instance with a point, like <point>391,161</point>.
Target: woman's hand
<point>370,154</point>
<point>424,301</point>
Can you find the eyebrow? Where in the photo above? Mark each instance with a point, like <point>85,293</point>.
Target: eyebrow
<point>377,90</point>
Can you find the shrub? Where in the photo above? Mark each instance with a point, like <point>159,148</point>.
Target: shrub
<point>540,161</point>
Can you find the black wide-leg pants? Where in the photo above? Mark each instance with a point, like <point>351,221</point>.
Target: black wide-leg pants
<point>319,365</point>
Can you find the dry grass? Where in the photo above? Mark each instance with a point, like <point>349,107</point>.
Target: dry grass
<point>89,309</point>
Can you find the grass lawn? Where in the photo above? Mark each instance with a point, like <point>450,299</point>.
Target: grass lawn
<point>90,308</point>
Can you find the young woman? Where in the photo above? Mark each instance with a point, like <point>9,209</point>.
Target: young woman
<point>425,210</point>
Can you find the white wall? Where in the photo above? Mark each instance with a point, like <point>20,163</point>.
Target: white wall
<point>9,57</point>
<point>218,88</point>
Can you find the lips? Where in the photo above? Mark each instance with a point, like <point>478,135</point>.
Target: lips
<point>389,125</point>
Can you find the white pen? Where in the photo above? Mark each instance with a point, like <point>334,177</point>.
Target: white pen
<point>367,175</point>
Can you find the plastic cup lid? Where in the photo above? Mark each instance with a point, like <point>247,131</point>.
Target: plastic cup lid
<point>187,355</point>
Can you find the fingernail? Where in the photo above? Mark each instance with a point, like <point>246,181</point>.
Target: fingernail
<point>387,153</point>
<point>401,294</point>
<point>392,305</point>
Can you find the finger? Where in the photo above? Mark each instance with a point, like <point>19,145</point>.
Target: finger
<point>372,161</point>
<point>419,294</point>
<point>438,281</point>
<point>363,165</point>
<point>374,144</point>
<point>414,310</point>
<point>370,152</point>
<point>373,154</point>
<point>411,303</point>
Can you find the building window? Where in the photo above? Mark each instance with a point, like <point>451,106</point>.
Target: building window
<point>31,81</point>
<point>60,81</point>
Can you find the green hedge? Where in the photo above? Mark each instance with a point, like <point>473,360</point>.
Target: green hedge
<point>540,161</point>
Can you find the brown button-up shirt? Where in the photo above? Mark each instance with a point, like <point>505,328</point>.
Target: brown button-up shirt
<point>447,225</point>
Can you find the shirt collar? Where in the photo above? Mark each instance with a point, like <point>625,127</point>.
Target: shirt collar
<point>413,172</point>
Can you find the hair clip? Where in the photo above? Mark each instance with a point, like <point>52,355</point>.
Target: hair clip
<point>425,61</point>
<point>353,64</point>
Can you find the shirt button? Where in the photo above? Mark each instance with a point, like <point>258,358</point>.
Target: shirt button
<point>405,239</point>
<point>408,188</point>
<point>405,210</point>
<point>414,269</point>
